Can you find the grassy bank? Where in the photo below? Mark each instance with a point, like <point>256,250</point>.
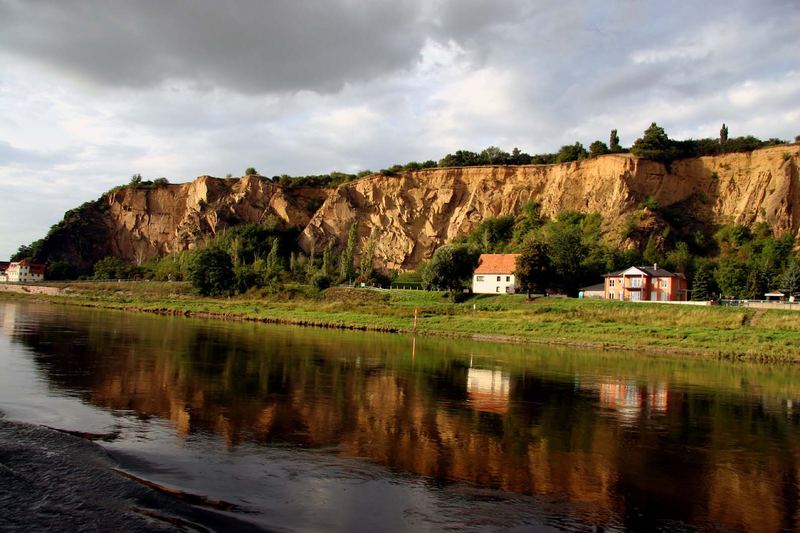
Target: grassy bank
<point>719,332</point>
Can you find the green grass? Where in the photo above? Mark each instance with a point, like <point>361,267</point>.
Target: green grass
<point>719,332</point>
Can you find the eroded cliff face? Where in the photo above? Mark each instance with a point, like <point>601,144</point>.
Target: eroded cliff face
<point>139,224</point>
<point>413,214</point>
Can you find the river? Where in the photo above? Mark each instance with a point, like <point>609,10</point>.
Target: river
<point>306,429</point>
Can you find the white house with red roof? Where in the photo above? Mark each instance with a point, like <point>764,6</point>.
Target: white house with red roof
<point>495,274</point>
<point>24,272</point>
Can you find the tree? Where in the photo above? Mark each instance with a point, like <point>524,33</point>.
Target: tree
<point>450,266</point>
<point>651,253</point>
<point>160,182</point>
<point>534,270</point>
<point>723,134</point>
<point>346,264</point>
<point>654,144</point>
<point>112,268</point>
<point>566,251</point>
<point>571,152</point>
<point>250,171</point>
<point>462,158</point>
<point>519,158</point>
<point>494,156</point>
<point>492,234</point>
<point>136,180</point>
<point>210,271</point>
<point>704,286</point>
<point>327,259</point>
<point>273,259</point>
<point>528,220</point>
<point>732,276</point>
<point>613,142</point>
<point>597,148</point>
<point>61,270</point>
<point>790,280</point>
<point>368,257</point>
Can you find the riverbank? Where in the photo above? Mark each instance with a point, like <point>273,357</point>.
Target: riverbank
<point>709,331</point>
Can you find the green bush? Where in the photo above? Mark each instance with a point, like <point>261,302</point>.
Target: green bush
<point>210,271</point>
<point>321,281</point>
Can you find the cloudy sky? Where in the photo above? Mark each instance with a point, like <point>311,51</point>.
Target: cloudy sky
<point>92,92</point>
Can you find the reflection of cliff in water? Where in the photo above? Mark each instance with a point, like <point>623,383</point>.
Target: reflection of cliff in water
<point>628,447</point>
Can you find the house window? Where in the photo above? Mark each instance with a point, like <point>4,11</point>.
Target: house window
<point>611,295</point>
<point>611,282</point>
<point>497,289</point>
<point>498,278</point>
<point>508,278</point>
<point>478,278</point>
<point>508,290</point>
<point>663,284</point>
<point>636,282</point>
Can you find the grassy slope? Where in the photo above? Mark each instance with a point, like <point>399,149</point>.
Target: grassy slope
<point>709,331</point>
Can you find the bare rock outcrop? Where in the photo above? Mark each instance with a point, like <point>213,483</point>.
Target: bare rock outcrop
<point>416,212</point>
<point>145,223</point>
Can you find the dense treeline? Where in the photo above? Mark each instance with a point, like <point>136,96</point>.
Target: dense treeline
<point>568,252</point>
<point>254,256</point>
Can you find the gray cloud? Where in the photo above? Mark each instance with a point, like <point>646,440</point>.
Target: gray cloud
<point>93,91</point>
<point>252,46</point>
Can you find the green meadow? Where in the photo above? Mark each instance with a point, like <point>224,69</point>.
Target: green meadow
<point>712,331</point>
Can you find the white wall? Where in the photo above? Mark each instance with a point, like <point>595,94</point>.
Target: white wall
<point>21,274</point>
<point>489,284</point>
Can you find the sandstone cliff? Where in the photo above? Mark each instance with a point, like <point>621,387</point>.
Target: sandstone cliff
<point>414,213</point>
<point>141,223</point>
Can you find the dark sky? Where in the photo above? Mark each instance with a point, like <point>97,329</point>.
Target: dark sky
<point>94,91</point>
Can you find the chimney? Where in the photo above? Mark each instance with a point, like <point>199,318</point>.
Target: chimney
<point>655,266</point>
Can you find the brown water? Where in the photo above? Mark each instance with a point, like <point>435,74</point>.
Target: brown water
<point>309,429</point>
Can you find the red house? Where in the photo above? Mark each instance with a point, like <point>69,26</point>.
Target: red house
<point>640,283</point>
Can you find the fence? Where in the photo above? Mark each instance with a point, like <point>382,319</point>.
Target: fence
<point>762,304</point>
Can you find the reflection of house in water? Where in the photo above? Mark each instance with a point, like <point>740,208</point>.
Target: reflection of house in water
<point>487,390</point>
<point>9,318</point>
<point>628,399</point>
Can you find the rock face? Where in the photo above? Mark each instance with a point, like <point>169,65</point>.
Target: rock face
<point>152,222</point>
<point>142,223</point>
<point>414,213</point>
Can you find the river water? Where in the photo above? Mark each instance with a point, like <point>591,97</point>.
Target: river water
<point>306,429</point>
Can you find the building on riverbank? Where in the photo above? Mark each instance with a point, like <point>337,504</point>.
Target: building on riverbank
<point>644,283</point>
<point>495,274</point>
<point>23,272</point>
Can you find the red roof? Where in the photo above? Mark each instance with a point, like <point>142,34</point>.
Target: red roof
<point>497,264</point>
<point>33,268</point>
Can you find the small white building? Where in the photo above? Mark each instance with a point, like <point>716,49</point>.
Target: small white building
<point>495,274</point>
<point>24,272</point>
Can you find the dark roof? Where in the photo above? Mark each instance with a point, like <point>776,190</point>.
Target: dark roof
<point>651,271</point>
<point>597,287</point>
<point>4,265</point>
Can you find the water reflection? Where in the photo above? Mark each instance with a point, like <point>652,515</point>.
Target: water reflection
<point>640,442</point>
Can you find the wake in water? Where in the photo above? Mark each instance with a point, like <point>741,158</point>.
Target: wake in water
<point>50,480</point>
